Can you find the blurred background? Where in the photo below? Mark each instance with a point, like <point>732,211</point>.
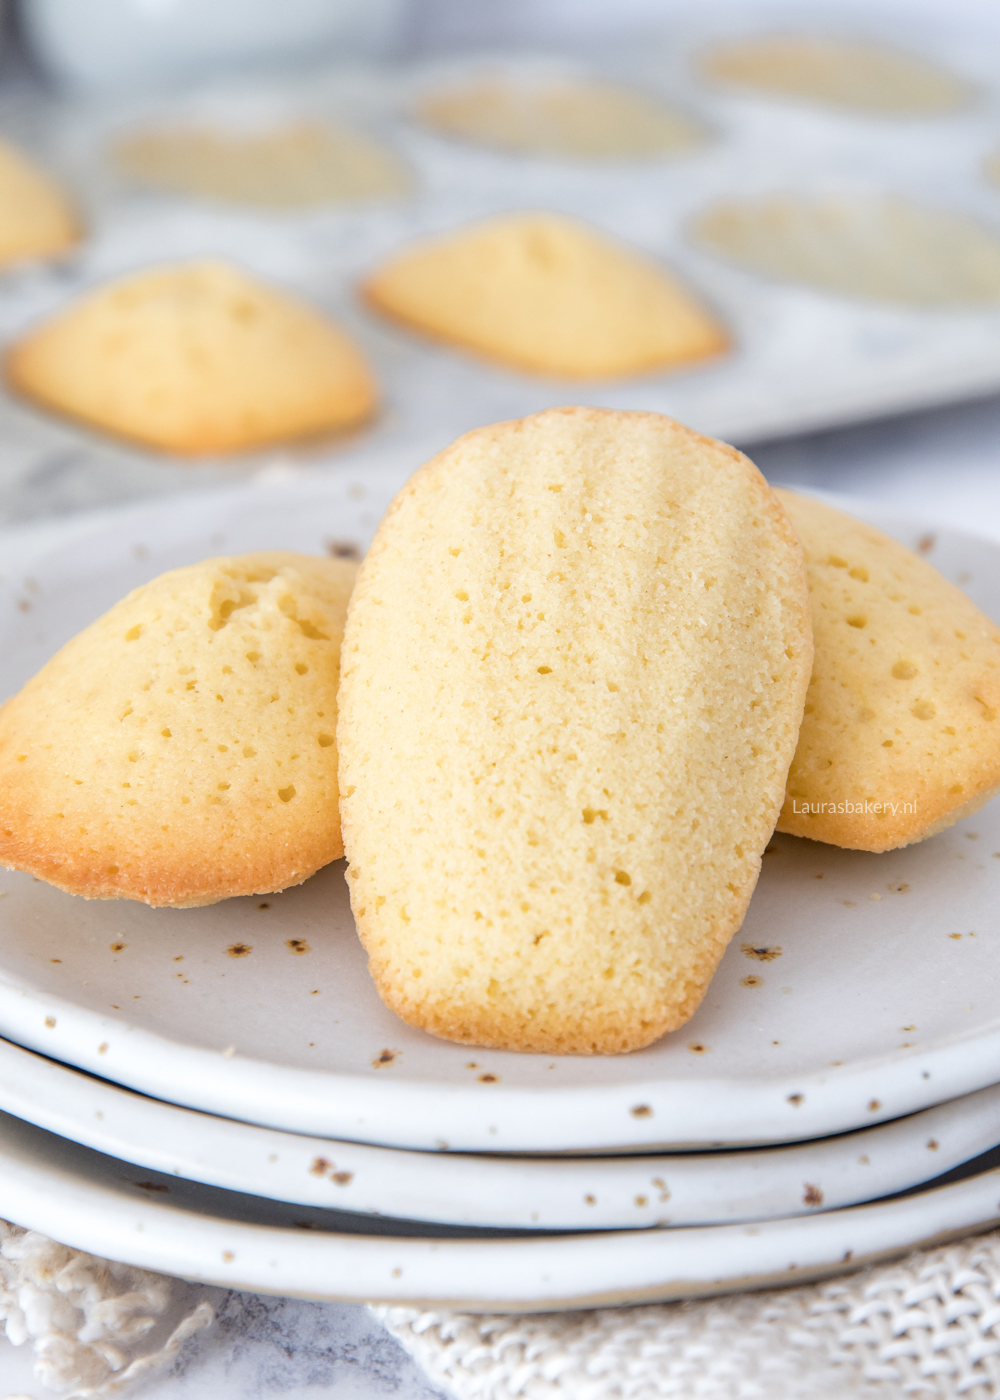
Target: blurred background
<point>823,180</point>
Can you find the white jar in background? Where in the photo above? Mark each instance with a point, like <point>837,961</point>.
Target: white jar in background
<point>141,43</point>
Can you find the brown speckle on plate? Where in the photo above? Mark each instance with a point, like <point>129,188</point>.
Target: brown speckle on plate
<point>874,1105</point>
<point>228,1256</point>
<point>297,945</point>
<point>239,950</point>
<point>384,1057</point>
<point>641,1110</point>
<point>926,543</point>
<point>796,1099</point>
<point>812,1196</point>
<point>697,1048</point>
<point>320,1166</point>
<point>762,954</point>
<point>50,1021</point>
<point>933,1145</point>
<point>752,981</point>
<point>342,1178</point>
<point>117,947</point>
<point>489,1079</point>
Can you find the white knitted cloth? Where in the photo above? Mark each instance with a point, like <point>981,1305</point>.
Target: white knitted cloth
<point>928,1327</point>
<point>96,1326</point>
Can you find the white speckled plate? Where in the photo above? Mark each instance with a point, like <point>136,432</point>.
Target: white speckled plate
<point>877,994</point>
<point>160,1222</point>
<point>505,1192</point>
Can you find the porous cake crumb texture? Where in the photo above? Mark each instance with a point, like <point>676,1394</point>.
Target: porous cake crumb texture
<point>195,358</point>
<point>182,748</point>
<point>548,295</point>
<point>574,670</point>
<point>903,705</point>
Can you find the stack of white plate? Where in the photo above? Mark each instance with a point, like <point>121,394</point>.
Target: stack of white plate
<point>280,1130</point>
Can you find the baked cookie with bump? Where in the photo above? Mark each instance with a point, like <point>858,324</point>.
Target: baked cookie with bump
<point>181,749</point>
<point>901,733</point>
<point>195,359</point>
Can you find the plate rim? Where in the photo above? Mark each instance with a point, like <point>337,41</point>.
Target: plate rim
<point>575,1271</point>
<point>437,1188</point>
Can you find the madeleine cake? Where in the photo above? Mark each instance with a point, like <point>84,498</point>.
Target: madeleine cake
<point>195,358</point>
<point>574,670</point>
<point>181,749</point>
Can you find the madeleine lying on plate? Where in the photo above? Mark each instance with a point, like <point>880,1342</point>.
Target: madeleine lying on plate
<point>901,735</point>
<point>181,748</point>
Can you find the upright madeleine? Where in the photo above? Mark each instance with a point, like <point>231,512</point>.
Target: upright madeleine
<point>573,676</point>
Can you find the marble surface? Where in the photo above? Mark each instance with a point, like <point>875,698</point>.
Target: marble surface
<point>264,1349</point>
